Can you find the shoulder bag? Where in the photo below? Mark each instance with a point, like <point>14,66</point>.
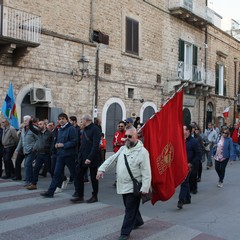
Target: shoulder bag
<point>137,185</point>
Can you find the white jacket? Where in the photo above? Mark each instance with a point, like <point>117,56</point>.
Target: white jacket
<point>139,163</point>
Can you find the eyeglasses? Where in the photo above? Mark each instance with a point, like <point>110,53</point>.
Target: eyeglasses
<point>128,136</point>
<point>120,126</point>
<point>224,133</point>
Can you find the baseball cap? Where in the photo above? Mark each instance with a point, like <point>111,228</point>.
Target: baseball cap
<point>129,120</point>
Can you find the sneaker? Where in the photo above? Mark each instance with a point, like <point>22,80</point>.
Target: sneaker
<point>77,200</point>
<point>180,204</point>
<point>220,185</point>
<point>65,183</point>
<point>58,190</point>
<point>46,194</point>
<point>93,199</point>
<point>31,187</point>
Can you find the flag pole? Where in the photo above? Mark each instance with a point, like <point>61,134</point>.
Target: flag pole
<point>168,99</point>
<point>179,89</point>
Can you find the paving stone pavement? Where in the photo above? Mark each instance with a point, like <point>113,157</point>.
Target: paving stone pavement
<point>25,215</point>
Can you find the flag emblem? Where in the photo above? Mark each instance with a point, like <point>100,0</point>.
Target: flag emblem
<point>165,159</point>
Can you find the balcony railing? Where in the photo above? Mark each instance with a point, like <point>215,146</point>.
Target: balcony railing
<point>195,74</point>
<point>19,26</point>
<point>192,11</point>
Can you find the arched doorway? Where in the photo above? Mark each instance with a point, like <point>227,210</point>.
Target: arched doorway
<point>114,115</point>
<point>148,112</point>
<point>209,115</point>
<point>186,116</point>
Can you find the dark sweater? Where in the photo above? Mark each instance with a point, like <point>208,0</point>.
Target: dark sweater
<point>194,153</point>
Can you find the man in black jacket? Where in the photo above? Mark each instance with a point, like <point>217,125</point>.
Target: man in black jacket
<point>88,157</point>
<point>43,146</point>
<point>193,157</point>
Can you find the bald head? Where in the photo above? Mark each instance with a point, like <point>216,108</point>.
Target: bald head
<point>131,137</point>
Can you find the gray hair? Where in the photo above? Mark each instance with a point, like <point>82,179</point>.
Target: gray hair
<point>87,117</point>
<point>27,117</point>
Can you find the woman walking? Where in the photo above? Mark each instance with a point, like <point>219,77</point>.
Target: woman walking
<point>223,152</point>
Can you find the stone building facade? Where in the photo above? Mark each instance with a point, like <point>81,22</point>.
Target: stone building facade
<point>139,53</point>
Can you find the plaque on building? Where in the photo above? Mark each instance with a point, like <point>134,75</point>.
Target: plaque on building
<point>189,101</point>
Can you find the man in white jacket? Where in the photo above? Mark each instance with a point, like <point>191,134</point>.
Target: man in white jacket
<point>139,163</point>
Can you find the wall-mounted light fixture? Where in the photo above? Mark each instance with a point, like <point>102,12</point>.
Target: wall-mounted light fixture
<point>82,70</point>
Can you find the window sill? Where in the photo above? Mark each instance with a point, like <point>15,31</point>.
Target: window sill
<point>132,55</point>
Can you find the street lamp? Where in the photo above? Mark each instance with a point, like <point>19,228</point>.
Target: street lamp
<point>82,70</point>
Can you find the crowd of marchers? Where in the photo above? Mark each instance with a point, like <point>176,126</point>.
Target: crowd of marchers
<point>48,147</point>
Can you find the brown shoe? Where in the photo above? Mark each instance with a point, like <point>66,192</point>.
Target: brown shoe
<point>32,187</point>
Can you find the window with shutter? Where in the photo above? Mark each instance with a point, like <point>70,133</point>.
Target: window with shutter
<point>181,50</point>
<point>132,36</point>
<point>220,83</point>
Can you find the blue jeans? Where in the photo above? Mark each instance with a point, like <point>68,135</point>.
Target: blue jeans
<point>61,162</point>
<point>209,157</point>
<point>132,216</point>
<point>236,150</point>
<point>40,160</point>
<point>28,166</point>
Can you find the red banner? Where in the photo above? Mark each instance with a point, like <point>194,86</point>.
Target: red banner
<point>163,138</point>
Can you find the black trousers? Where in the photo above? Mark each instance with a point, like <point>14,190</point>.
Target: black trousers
<point>193,177</point>
<point>1,159</point>
<point>18,165</point>
<point>132,216</point>
<point>7,158</point>
<point>79,180</point>
<point>220,169</point>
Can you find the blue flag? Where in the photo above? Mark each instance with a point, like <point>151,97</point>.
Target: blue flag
<point>9,110</point>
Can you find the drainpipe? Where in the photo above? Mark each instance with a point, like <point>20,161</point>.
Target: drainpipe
<point>91,22</point>
<point>235,88</point>
<point>205,66</point>
<point>96,80</point>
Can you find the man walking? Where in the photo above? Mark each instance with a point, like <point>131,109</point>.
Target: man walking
<point>66,153</point>
<point>194,155</point>
<point>139,163</point>
<point>88,157</point>
<point>210,137</point>
<point>28,144</point>
<point>9,142</point>
<point>43,146</point>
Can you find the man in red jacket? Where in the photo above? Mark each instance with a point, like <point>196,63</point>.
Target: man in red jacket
<point>119,137</point>
<point>234,136</point>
